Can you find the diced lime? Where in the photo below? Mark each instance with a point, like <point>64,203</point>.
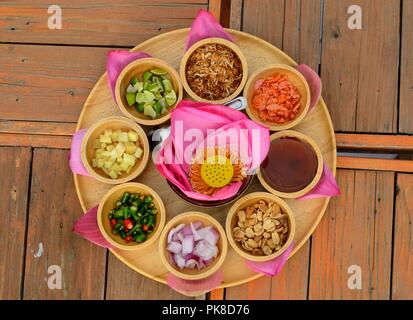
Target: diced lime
<point>138,86</point>
<point>139,107</point>
<point>146,85</point>
<point>130,98</point>
<point>147,76</point>
<point>154,87</point>
<point>163,103</point>
<point>167,85</point>
<point>158,81</point>
<point>163,111</point>
<point>140,97</point>
<point>149,111</point>
<point>157,107</point>
<point>159,71</point>
<point>131,89</point>
<point>158,95</point>
<point>149,96</point>
<point>166,77</point>
<point>133,81</point>
<point>170,98</point>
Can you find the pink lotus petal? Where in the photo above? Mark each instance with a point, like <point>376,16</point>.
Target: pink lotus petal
<point>326,187</point>
<point>273,267</point>
<point>314,82</point>
<point>116,61</point>
<point>194,286</point>
<point>215,122</point>
<point>205,26</point>
<point>75,159</point>
<point>87,227</point>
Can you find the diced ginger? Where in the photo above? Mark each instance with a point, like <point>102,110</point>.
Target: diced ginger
<point>129,159</point>
<point>108,132</point>
<point>94,163</point>
<point>133,136</point>
<point>130,149</point>
<point>110,147</point>
<point>124,166</point>
<point>123,137</point>
<point>138,152</point>
<point>108,164</point>
<point>105,139</point>
<point>120,149</point>
<point>96,144</point>
<point>113,174</point>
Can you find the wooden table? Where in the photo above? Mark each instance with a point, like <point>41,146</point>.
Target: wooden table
<point>367,74</point>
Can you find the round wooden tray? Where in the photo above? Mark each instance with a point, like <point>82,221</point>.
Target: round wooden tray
<point>308,213</point>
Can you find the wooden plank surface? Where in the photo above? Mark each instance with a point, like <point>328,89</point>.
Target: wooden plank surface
<point>126,284</point>
<point>102,22</point>
<point>356,230</point>
<point>369,142</point>
<point>54,208</point>
<point>406,70</point>
<point>15,165</point>
<point>37,127</point>
<point>375,164</point>
<point>359,68</point>
<point>402,279</point>
<point>52,89</point>
<point>291,283</point>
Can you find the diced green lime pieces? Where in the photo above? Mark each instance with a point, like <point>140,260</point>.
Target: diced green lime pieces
<point>170,98</point>
<point>139,107</point>
<point>149,96</point>
<point>158,95</point>
<point>133,81</point>
<point>158,81</point>
<point>158,71</point>
<point>138,86</point>
<point>157,107</point>
<point>130,98</point>
<point>147,76</point>
<point>163,103</point>
<point>140,97</point>
<point>164,110</point>
<point>149,111</point>
<point>154,87</point>
<point>166,77</point>
<point>167,85</point>
<point>131,89</point>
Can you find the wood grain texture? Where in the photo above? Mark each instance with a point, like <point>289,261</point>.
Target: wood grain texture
<point>291,283</point>
<point>35,140</point>
<point>357,230</point>
<point>375,164</point>
<point>265,19</point>
<point>406,70</point>
<point>53,210</point>
<point>360,67</point>
<point>37,127</point>
<point>301,32</point>
<point>15,166</point>
<point>369,142</point>
<point>235,21</point>
<point>52,89</point>
<point>402,278</point>
<point>126,284</point>
<point>95,23</point>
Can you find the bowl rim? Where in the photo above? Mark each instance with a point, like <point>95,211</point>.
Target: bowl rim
<point>224,42</point>
<point>160,63</point>
<point>273,126</point>
<point>175,221</point>
<point>317,177</point>
<point>133,126</point>
<point>161,215</point>
<point>259,196</point>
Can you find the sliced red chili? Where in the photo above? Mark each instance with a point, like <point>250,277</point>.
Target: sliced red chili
<point>127,223</point>
<point>113,222</point>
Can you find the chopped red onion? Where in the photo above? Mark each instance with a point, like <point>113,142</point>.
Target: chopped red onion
<point>180,261</point>
<point>174,247</point>
<point>187,245</point>
<point>191,264</point>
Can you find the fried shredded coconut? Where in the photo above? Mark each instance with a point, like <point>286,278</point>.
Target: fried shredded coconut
<point>214,72</point>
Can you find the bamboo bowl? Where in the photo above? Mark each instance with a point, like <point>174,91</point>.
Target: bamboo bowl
<point>249,200</point>
<point>295,77</point>
<point>136,68</point>
<point>107,203</point>
<point>227,44</point>
<point>114,123</point>
<point>193,274</point>
<point>313,144</point>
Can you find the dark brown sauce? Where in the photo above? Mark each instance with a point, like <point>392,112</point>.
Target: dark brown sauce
<point>290,166</point>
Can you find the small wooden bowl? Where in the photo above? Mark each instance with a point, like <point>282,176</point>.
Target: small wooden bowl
<point>114,123</point>
<point>107,203</point>
<point>246,201</point>
<point>227,44</point>
<point>136,68</point>
<point>313,144</point>
<point>193,274</point>
<point>295,77</point>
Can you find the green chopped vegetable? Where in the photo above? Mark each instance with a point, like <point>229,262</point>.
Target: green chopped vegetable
<point>159,71</point>
<point>147,76</point>
<point>167,85</point>
<point>133,81</point>
<point>130,98</point>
